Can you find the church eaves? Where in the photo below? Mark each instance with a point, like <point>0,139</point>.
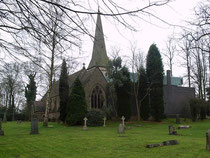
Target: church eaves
<point>99,56</point>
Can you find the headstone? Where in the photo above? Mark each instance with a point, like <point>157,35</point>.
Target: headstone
<point>171,130</point>
<point>183,126</point>
<point>154,145</point>
<point>85,124</point>
<point>165,143</point>
<point>208,140</point>
<point>177,119</point>
<point>121,129</point>
<point>170,142</point>
<point>34,126</point>
<point>123,120</point>
<point>1,131</point>
<point>104,122</point>
<point>18,121</point>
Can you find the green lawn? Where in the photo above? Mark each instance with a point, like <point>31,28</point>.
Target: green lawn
<point>103,142</point>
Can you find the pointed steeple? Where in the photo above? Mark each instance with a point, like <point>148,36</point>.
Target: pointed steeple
<point>99,56</point>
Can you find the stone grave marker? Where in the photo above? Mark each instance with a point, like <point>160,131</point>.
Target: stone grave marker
<point>121,129</point>
<point>123,120</point>
<point>171,130</point>
<point>104,121</point>
<point>183,126</point>
<point>164,143</point>
<point>177,119</point>
<point>1,131</point>
<point>19,121</point>
<point>85,124</point>
<point>34,126</point>
<point>208,140</point>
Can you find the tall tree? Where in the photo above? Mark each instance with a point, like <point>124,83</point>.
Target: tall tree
<point>30,94</point>
<point>144,94</point>
<point>154,68</point>
<point>137,62</point>
<point>120,87</point>
<point>63,91</point>
<point>77,106</point>
<point>123,92</point>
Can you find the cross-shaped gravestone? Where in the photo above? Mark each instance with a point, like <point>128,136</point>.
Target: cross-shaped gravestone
<point>1,131</point>
<point>123,120</point>
<point>34,126</point>
<point>85,123</point>
<point>104,122</point>
<point>208,140</point>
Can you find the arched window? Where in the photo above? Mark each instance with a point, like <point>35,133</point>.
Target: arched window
<point>97,98</point>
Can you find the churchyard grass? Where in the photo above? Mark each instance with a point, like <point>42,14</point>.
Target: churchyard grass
<point>103,142</point>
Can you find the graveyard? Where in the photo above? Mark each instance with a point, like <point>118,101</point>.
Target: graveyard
<point>60,141</point>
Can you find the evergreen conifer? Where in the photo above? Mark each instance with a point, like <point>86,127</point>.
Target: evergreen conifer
<point>143,94</point>
<point>76,107</point>
<point>63,91</point>
<point>30,94</point>
<point>154,69</point>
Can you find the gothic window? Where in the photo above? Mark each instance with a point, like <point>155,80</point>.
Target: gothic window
<point>97,98</point>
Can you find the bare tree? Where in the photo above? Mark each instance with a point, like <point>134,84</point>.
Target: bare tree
<point>185,53</point>
<point>136,62</point>
<point>12,84</point>
<point>170,52</point>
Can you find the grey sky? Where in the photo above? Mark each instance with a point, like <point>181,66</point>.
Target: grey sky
<point>116,35</point>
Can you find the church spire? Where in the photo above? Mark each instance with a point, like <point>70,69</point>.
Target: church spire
<point>99,56</point>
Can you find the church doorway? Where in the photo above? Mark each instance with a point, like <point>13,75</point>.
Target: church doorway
<point>97,98</point>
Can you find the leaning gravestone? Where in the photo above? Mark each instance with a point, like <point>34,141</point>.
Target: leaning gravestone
<point>34,126</point>
<point>121,128</point>
<point>1,131</point>
<point>171,130</point>
<point>208,140</point>
<point>177,119</point>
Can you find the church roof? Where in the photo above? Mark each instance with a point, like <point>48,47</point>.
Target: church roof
<point>99,55</point>
<point>84,76</point>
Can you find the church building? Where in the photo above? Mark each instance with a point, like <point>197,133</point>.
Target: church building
<point>93,78</point>
<point>94,81</point>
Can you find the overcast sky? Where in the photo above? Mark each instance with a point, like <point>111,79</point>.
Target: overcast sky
<point>116,35</point>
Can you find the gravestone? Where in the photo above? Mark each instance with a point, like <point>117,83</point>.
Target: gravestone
<point>34,126</point>
<point>164,143</point>
<point>154,145</point>
<point>121,129</point>
<point>85,124</point>
<point>1,131</point>
<point>183,126</point>
<point>104,122</point>
<point>170,142</point>
<point>123,120</point>
<point>208,140</point>
<point>177,119</point>
<point>171,130</point>
<point>19,121</point>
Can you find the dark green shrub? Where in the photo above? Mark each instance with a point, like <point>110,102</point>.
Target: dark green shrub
<point>108,112</point>
<point>76,107</point>
<point>95,117</point>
